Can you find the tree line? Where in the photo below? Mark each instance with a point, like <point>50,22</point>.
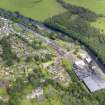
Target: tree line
<point>76,24</point>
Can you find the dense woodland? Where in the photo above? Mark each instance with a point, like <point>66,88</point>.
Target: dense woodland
<point>76,24</point>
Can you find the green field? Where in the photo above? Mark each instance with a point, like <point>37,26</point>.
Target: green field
<point>99,24</point>
<point>97,6</point>
<point>42,9</point>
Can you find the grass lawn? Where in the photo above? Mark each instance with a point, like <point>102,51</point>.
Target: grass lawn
<point>37,10</point>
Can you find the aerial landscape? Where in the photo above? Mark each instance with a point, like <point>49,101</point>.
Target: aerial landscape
<point>52,52</point>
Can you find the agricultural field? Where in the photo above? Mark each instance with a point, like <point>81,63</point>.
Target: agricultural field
<point>97,6</point>
<point>36,9</point>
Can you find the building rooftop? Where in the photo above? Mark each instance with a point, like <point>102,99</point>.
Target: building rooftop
<point>79,63</point>
<point>94,83</point>
<point>88,59</point>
